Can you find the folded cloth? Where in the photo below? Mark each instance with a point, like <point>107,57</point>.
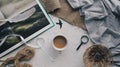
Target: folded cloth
<point>1,16</point>
<point>62,9</point>
<point>102,19</point>
<point>9,8</point>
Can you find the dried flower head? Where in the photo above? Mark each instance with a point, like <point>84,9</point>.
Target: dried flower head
<point>97,56</point>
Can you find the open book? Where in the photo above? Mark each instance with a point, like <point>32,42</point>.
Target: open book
<point>21,21</point>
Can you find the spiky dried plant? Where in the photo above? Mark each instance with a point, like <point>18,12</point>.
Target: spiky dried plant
<point>97,56</point>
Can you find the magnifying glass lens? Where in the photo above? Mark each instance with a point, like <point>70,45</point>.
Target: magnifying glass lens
<point>84,40</point>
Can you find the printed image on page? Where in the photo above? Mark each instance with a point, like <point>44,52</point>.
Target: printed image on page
<point>23,25</point>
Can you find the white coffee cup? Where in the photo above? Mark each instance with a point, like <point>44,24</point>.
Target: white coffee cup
<point>59,43</point>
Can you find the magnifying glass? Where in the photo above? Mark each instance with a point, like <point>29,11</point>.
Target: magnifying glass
<point>84,40</point>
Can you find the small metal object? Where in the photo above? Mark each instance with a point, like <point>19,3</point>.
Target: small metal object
<point>60,23</point>
<point>84,40</point>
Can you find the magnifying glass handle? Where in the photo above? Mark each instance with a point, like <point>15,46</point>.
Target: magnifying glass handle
<point>79,46</point>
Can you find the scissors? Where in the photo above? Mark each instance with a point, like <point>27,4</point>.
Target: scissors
<point>84,40</point>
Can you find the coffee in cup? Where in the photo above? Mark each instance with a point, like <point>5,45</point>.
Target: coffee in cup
<point>59,43</point>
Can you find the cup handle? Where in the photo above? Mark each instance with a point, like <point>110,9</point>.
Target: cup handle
<point>38,43</point>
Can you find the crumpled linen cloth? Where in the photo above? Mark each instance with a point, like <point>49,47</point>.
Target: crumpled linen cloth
<point>102,19</point>
<point>62,9</point>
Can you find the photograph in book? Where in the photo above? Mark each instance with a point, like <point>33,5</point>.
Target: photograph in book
<point>21,26</point>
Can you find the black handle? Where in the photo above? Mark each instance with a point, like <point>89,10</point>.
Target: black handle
<point>79,46</point>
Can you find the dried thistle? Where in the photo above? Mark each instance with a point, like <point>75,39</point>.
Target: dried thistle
<point>97,56</point>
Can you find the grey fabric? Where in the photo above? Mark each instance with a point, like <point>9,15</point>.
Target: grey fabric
<point>102,19</point>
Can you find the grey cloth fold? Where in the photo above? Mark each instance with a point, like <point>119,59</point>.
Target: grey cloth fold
<point>102,19</point>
